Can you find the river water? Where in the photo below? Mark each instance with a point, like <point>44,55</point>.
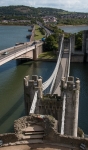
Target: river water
<point>73,29</point>
<point>11,81</point>
<point>11,78</point>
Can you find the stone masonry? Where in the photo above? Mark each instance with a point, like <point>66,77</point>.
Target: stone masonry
<point>52,104</point>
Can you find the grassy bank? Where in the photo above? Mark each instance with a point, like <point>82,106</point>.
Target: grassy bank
<point>38,34</point>
<point>47,55</point>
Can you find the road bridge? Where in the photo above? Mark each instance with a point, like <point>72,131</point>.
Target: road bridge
<point>29,50</point>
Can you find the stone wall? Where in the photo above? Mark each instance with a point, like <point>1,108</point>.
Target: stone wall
<point>77,58</point>
<point>8,137</point>
<point>50,128</point>
<point>45,121</point>
<point>67,140</point>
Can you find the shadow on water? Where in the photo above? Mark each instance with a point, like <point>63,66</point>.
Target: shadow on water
<point>11,128</point>
<point>23,61</point>
<point>8,66</point>
<point>11,111</point>
<point>13,64</point>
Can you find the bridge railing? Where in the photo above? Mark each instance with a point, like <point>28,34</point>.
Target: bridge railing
<point>69,60</point>
<point>33,106</point>
<point>15,54</point>
<point>52,78</point>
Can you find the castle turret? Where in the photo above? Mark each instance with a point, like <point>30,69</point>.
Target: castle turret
<point>71,90</point>
<point>30,86</point>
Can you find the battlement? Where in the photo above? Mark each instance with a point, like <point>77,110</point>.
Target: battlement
<point>53,104</point>
<point>70,84</point>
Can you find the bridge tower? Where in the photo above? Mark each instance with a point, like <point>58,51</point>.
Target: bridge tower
<point>71,90</point>
<point>72,38</point>
<point>30,86</point>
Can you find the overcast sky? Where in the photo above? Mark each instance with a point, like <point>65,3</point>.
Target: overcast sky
<point>70,5</point>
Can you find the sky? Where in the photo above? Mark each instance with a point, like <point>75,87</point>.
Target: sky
<point>69,5</point>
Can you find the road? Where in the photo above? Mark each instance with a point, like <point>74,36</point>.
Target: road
<point>48,32</point>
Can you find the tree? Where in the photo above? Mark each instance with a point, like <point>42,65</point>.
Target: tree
<point>50,43</point>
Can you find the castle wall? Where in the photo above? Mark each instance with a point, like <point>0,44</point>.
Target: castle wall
<point>53,107</point>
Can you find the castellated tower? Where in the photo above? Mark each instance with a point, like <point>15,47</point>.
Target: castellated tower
<point>30,87</point>
<point>71,90</point>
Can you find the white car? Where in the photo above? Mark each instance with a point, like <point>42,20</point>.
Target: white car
<point>5,53</point>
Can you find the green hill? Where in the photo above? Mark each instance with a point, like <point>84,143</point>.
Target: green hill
<point>30,11</point>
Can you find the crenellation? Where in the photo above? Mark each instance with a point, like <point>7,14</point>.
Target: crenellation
<point>34,77</point>
<point>77,84</point>
<point>71,78</point>
<point>26,79</point>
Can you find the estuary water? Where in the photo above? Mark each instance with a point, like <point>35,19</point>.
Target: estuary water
<point>11,81</point>
<point>73,29</point>
<point>11,77</point>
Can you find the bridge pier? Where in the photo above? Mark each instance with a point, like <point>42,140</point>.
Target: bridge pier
<point>38,50</point>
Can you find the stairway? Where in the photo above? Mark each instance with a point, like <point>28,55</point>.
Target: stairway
<point>33,134</point>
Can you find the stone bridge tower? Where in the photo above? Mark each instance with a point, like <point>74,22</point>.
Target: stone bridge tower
<point>71,89</point>
<point>53,104</point>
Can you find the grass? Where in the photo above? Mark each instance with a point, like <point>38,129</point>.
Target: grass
<point>38,34</point>
<point>47,55</point>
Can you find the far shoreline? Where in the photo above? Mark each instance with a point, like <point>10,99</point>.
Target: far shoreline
<point>72,25</point>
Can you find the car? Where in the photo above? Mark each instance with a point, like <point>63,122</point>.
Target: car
<point>1,142</point>
<point>5,53</point>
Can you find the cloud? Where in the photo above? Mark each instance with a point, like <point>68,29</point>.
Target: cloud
<point>70,5</point>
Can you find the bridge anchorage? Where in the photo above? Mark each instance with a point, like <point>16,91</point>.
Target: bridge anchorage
<point>62,100</point>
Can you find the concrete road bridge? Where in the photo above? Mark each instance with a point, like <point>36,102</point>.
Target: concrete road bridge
<point>28,50</point>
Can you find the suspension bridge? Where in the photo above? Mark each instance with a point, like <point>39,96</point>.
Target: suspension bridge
<point>60,86</point>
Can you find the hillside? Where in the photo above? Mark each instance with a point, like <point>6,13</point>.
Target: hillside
<point>29,15</point>
<point>30,11</point>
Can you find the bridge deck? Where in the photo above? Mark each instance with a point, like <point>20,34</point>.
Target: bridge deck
<point>61,72</point>
<point>21,51</point>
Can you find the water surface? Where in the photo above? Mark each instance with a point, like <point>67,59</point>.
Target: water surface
<point>10,35</point>
<point>73,29</point>
<point>11,80</point>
